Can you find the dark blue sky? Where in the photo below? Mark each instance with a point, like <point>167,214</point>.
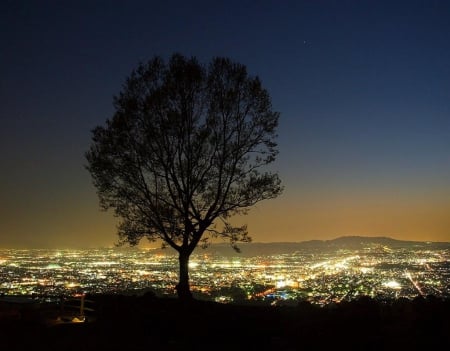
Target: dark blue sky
<point>363,88</point>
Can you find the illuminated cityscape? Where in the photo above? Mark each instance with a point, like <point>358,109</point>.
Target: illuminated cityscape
<point>320,277</point>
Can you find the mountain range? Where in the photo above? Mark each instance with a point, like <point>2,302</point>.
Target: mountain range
<point>341,243</point>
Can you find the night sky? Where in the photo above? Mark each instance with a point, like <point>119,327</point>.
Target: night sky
<point>363,88</point>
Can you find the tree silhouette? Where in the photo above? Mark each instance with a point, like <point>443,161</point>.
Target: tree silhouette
<point>184,152</point>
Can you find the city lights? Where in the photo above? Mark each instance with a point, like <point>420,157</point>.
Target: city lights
<point>323,278</point>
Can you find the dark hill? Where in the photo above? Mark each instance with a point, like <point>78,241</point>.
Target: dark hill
<point>149,323</point>
<point>341,243</point>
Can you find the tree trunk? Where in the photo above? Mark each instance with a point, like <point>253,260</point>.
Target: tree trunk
<point>183,289</point>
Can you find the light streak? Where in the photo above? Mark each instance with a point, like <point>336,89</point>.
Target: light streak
<point>416,285</point>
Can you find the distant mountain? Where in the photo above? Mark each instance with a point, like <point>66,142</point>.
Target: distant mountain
<point>341,243</point>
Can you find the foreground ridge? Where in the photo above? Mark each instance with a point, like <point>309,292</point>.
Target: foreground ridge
<point>138,322</point>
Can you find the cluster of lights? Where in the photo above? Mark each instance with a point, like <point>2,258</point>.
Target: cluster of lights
<point>323,278</point>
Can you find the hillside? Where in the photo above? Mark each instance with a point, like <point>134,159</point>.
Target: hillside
<point>148,323</point>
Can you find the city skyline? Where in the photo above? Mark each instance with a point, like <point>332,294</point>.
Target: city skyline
<point>363,89</point>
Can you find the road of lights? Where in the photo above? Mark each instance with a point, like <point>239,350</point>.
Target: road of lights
<point>320,278</point>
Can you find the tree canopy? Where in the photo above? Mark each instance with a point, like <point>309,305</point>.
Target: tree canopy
<point>185,150</point>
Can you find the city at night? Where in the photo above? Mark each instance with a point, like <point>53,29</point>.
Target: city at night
<point>321,276</point>
<point>225,175</point>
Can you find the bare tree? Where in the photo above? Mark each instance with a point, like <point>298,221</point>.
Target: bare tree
<point>184,152</point>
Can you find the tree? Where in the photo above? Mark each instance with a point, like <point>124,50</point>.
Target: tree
<point>183,153</point>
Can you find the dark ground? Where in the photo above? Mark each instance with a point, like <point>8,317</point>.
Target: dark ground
<point>149,323</point>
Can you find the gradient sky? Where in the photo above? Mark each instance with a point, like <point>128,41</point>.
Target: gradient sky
<point>363,88</point>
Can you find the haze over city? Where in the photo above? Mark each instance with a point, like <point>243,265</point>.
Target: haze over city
<point>363,89</point>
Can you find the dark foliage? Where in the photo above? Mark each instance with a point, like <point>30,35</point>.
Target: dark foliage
<point>138,323</point>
